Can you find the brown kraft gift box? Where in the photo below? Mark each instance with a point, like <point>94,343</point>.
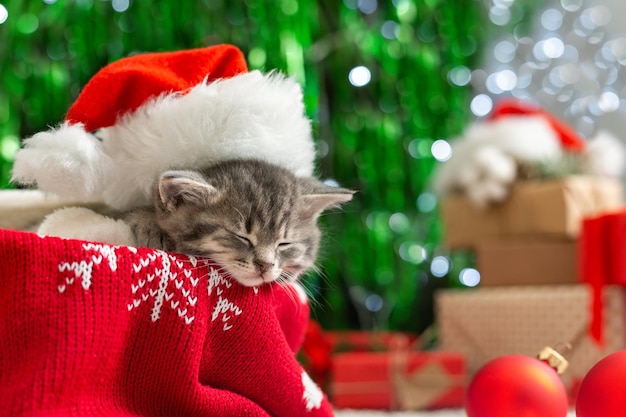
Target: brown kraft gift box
<point>549,208</point>
<point>486,323</point>
<point>527,261</point>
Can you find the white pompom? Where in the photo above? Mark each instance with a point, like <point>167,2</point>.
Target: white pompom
<point>496,164</point>
<point>604,155</point>
<point>67,161</point>
<point>495,171</point>
<point>85,224</point>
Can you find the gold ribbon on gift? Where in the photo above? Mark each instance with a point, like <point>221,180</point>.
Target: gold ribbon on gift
<point>394,343</point>
<point>407,390</point>
<point>419,389</point>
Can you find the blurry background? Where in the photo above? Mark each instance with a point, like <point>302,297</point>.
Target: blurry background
<point>387,84</point>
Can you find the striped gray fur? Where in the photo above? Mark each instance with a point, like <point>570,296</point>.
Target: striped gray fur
<point>256,220</point>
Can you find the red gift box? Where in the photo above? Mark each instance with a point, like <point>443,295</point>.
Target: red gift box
<point>319,347</point>
<point>602,255</point>
<point>402,380</point>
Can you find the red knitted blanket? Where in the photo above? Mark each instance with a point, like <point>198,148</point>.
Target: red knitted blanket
<point>90,329</point>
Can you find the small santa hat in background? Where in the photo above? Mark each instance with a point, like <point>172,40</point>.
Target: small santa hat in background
<point>603,154</point>
<point>569,139</point>
<point>486,158</point>
<point>147,113</point>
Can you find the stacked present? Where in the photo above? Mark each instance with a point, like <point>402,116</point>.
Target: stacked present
<point>532,236</point>
<point>398,380</point>
<point>383,370</point>
<point>494,321</point>
<point>527,227</point>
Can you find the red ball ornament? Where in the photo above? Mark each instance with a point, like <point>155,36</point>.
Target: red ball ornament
<point>602,392</point>
<point>516,385</point>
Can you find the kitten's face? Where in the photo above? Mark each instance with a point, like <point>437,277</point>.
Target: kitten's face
<point>257,221</point>
<point>254,249</point>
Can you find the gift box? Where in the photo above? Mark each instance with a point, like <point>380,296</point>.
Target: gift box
<point>527,262</point>
<point>602,257</point>
<point>486,323</point>
<point>320,347</point>
<point>398,380</point>
<point>546,208</point>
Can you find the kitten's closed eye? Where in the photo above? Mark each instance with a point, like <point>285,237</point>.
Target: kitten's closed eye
<point>244,239</point>
<point>291,251</point>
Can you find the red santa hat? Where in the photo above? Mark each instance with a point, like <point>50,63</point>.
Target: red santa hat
<point>485,160</point>
<point>125,85</point>
<point>147,113</point>
<point>570,140</point>
<point>602,154</point>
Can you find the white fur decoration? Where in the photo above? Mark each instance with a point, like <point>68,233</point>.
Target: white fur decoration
<point>604,155</point>
<point>488,176</point>
<point>251,115</point>
<point>484,161</point>
<point>66,161</point>
<point>85,224</point>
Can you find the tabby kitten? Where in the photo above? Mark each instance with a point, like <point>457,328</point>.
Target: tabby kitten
<point>257,220</point>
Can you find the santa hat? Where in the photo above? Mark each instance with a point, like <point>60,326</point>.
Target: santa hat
<point>568,138</point>
<point>486,158</point>
<point>147,113</point>
<point>603,154</point>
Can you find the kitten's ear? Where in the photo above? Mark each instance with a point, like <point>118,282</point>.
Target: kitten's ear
<point>322,197</point>
<point>185,187</point>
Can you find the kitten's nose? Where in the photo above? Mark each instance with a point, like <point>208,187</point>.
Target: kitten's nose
<point>263,266</point>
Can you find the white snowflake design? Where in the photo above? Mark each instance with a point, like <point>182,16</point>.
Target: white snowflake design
<point>170,283</point>
<point>223,307</point>
<point>83,270</point>
<point>170,286</point>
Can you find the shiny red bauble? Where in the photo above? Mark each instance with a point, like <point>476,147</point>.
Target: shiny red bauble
<point>602,392</point>
<point>516,385</point>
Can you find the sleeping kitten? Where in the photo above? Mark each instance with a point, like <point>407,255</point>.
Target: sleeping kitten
<point>258,221</point>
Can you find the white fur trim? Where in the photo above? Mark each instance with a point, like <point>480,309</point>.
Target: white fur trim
<point>525,138</point>
<point>84,224</point>
<point>248,116</point>
<point>66,161</point>
<point>604,155</point>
